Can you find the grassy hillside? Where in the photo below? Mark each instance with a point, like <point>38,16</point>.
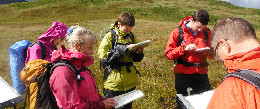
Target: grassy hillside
<point>155,19</point>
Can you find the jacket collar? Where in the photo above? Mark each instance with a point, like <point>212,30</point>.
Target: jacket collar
<point>244,60</point>
<point>77,58</point>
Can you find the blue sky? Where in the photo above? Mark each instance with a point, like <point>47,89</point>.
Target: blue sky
<point>245,3</point>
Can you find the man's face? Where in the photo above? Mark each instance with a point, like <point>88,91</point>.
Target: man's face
<point>197,26</point>
<point>125,28</point>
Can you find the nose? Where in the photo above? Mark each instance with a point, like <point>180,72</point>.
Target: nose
<point>199,29</point>
<point>92,52</point>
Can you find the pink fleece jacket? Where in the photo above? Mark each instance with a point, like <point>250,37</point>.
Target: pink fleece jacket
<point>57,29</point>
<point>68,93</point>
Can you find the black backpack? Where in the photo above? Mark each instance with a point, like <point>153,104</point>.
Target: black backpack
<point>45,98</point>
<point>249,76</point>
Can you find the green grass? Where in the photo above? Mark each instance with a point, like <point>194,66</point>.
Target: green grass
<point>155,19</point>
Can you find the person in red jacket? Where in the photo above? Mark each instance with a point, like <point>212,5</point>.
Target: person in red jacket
<point>235,42</point>
<point>191,69</point>
<point>68,92</point>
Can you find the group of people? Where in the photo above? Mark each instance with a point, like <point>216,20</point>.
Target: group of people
<point>233,40</point>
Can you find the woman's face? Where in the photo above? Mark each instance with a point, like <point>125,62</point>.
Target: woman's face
<point>88,47</point>
<point>57,40</point>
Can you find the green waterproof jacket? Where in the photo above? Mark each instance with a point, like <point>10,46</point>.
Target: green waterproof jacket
<point>119,69</point>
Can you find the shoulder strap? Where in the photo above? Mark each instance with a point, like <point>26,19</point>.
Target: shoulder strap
<point>249,76</point>
<point>114,40</point>
<point>180,38</point>
<point>206,35</point>
<point>42,46</point>
<point>73,67</point>
<point>132,37</point>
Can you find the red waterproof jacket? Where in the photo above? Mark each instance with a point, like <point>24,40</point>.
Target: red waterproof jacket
<point>63,83</point>
<point>173,51</point>
<point>234,93</point>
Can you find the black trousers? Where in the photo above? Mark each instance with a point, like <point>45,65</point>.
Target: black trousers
<point>111,94</point>
<point>189,84</point>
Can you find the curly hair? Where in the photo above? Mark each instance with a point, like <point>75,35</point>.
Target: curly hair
<point>79,35</point>
<point>126,18</point>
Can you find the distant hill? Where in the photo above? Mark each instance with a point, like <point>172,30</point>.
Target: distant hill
<point>11,1</point>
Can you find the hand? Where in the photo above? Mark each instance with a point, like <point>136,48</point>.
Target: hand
<point>190,47</point>
<point>139,50</point>
<point>109,103</point>
<point>130,46</point>
<point>211,52</point>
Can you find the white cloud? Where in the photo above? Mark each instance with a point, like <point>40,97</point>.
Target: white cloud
<point>245,3</point>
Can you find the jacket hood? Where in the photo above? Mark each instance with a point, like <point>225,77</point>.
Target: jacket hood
<point>244,60</point>
<point>182,22</point>
<point>57,29</point>
<point>77,58</point>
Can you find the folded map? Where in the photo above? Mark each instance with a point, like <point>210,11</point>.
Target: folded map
<point>141,44</point>
<point>127,98</point>
<point>203,49</point>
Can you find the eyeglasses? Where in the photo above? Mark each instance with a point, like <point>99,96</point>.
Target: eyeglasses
<point>215,51</point>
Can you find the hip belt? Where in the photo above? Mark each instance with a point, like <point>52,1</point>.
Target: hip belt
<point>188,64</point>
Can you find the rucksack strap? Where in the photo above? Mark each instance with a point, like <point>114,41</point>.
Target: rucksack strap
<point>206,35</point>
<point>249,76</point>
<point>72,66</point>
<point>42,46</point>
<point>180,38</point>
<point>114,40</point>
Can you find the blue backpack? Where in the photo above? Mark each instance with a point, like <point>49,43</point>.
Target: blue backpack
<point>18,54</point>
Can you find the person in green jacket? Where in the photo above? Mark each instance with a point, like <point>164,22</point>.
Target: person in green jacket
<point>120,74</point>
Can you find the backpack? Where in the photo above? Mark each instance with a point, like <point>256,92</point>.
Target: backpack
<point>36,75</point>
<point>114,41</point>
<point>247,75</point>
<point>18,54</point>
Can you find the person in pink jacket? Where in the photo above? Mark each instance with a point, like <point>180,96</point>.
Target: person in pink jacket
<point>69,93</point>
<point>50,39</point>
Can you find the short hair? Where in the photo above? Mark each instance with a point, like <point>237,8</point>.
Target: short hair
<point>79,35</point>
<point>126,18</point>
<point>232,28</point>
<point>201,16</point>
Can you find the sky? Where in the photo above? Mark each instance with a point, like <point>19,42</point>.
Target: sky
<point>245,3</point>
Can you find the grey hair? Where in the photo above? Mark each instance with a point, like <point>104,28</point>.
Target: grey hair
<point>79,36</point>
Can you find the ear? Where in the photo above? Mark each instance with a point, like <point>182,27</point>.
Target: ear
<point>118,24</point>
<point>226,45</point>
<point>191,19</point>
<point>76,46</point>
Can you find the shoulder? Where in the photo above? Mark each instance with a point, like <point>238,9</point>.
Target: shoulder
<point>236,87</point>
<point>108,36</point>
<point>232,91</point>
<point>35,47</point>
<point>63,71</point>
